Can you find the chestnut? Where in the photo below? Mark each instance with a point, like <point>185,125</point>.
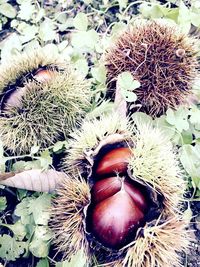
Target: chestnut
<point>43,75</point>
<point>109,186</point>
<point>118,210</point>
<point>15,98</point>
<point>115,161</point>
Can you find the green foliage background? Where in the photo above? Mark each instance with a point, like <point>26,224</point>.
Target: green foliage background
<point>80,31</point>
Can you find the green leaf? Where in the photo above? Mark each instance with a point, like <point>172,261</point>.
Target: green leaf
<point>62,45</point>
<point>40,244</point>
<point>8,10</point>
<point>3,165</point>
<point>141,117</point>
<point>195,116</point>
<point>129,96</point>
<point>3,203</point>
<point>127,84</point>
<point>196,183</point>
<point>45,159</point>
<point>136,84</point>
<point>43,233</point>
<point>39,248</point>
<point>11,46</point>
<point>26,165</point>
<point>18,229</point>
<point>43,263</point>
<point>32,45</point>
<point>198,193</point>
<point>125,80</point>
<point>118,28</point>
<point>78,260</point>
<point>153,11</point>
<point>28,32</point>
<point>22,211</point>
<point>39,15</point>
<point>19,166</point>
<point>10,249</point>
<point>40,209</point>
<point>26,10</point>
<point>173,14</point>
<point>178,118</point>
<point>81,65</point>
<point>187,137</point>
<point>81,22</point>
<point>47,30</point>
<point>3,1</point>
<point>92,38</point>
<point>59,146</point>
<point>167,129</point>
<point>105,107</point>
<point>51,48</point>
<point>184,19</point>
<point>99,73</point>
<point>84,39</point>
<point>21,193</point>
<point>190,159</point>
<point>184,13</point>
<point>195,19</point>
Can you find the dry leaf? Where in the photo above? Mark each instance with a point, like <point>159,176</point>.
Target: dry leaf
<point>35,180</point>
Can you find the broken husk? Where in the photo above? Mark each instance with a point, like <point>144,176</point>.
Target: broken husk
<point>127,205</point>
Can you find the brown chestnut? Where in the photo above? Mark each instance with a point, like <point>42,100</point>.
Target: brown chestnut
<point>109,186</point>
<point>115,218</point>
<point>105,188</point>
<point>115,161</point>
<point>15,98</point>
<point>118,210</point>
<point>43,75</point>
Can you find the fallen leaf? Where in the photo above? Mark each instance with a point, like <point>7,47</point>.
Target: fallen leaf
<point>35,180</point>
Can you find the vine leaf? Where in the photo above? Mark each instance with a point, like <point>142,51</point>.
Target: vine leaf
<point>10,249</point>
<point>39,245</point>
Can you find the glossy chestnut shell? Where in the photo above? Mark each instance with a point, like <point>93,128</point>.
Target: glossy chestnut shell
<point>118,210</point>
<point>118,205</point>
<point>115,161</point>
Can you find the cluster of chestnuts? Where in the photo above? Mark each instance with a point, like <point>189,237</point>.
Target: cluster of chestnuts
<point>118,205</point>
